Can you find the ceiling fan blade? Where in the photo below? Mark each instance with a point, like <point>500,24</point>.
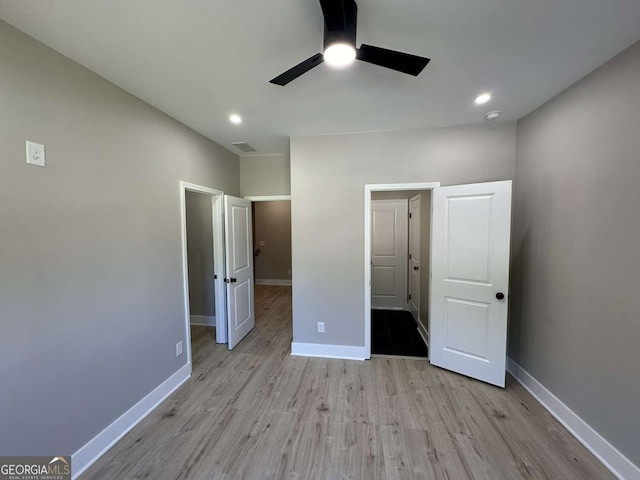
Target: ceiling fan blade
<point>402,62</point>
<point>295,72</point>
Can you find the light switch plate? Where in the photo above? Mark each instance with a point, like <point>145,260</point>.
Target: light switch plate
<point>35,154</point>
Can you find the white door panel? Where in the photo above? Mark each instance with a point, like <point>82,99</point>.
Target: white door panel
<point>389,254</point>
<point>239,268</point>
<point>468,238</point>
<point>242,302</point>
<point>384,283</point>
<point>384,227</point>
<point>470,268</point>
<point>465,326</point>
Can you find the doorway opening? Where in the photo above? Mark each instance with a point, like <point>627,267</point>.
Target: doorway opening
<point>272,240</point>
<point>226,240</point>
<point>398,260</point>
<point>468,275</point>
<point>203,263</point>
<point>272,254</point>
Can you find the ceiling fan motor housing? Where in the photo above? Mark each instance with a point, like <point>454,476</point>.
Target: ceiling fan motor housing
<point>340,24</point>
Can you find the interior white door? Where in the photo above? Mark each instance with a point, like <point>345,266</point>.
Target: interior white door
<point>389,254</point>
<point>414,256</point>
<point>239,268</point>
<point>471,227</point>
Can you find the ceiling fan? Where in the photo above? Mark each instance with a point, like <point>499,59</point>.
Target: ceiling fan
<point>340,20</point>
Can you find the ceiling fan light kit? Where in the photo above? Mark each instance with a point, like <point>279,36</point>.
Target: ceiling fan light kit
<point>339,54</point>
<point>340,26</point>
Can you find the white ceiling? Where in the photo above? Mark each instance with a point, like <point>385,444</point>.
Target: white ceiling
<point>199,61</point>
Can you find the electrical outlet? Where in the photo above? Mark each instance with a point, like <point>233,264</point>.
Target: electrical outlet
<point>289,271</point>
<point>35,154</point>
<point>179,348</point>
<point>320,327</point>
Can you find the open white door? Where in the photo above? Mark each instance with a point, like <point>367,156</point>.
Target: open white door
<point>239,268</point>
<point>471,227</point>
<point>414,256</point>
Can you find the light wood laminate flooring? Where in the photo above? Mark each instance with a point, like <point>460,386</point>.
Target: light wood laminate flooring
<point>259,413</point>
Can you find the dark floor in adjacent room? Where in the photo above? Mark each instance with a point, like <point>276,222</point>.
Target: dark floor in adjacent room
<point>395,332</point>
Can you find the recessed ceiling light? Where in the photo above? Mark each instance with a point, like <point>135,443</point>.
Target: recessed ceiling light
<point>235,119</point>
<point>483,98</point>
<point>339,54</point>
<point>493,115</point>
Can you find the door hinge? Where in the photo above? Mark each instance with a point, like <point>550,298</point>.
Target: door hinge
<point>409,296</point>
<point>409,214</point>
<point>409,256</point>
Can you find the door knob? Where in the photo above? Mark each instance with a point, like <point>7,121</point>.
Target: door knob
<point>499,295</point>
<point>416,268</point>
<point>234,280</point>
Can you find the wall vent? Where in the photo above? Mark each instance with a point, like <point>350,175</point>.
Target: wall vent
<point>244,146</point>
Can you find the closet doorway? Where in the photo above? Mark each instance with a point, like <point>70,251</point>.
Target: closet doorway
<point>399,272</point>
<point>468,274</point>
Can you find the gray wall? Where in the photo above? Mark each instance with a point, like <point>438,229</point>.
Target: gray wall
<point>265,175</point>
<point>91,302</point>
<point>200,256</point>
<point>328,174</point>
<point>575,299</point>
<point>273,226</point>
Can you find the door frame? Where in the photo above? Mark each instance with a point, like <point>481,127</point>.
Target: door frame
<point>217,197</point>
<point>368,188</point>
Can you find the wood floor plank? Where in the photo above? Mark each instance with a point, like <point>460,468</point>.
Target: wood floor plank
<point>259,413</point>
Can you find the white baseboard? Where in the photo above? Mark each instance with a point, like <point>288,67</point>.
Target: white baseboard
<point>204,320</point>
<point>346,352</point>
<point>615,461</point>
<point>272,281</point>
<point>98,445</point>
<point>423,332</point>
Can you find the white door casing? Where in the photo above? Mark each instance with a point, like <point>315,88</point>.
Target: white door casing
<point>389,223</point>
<point>470,271</point>
<point>239,268</point>
<point>414,256</point>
